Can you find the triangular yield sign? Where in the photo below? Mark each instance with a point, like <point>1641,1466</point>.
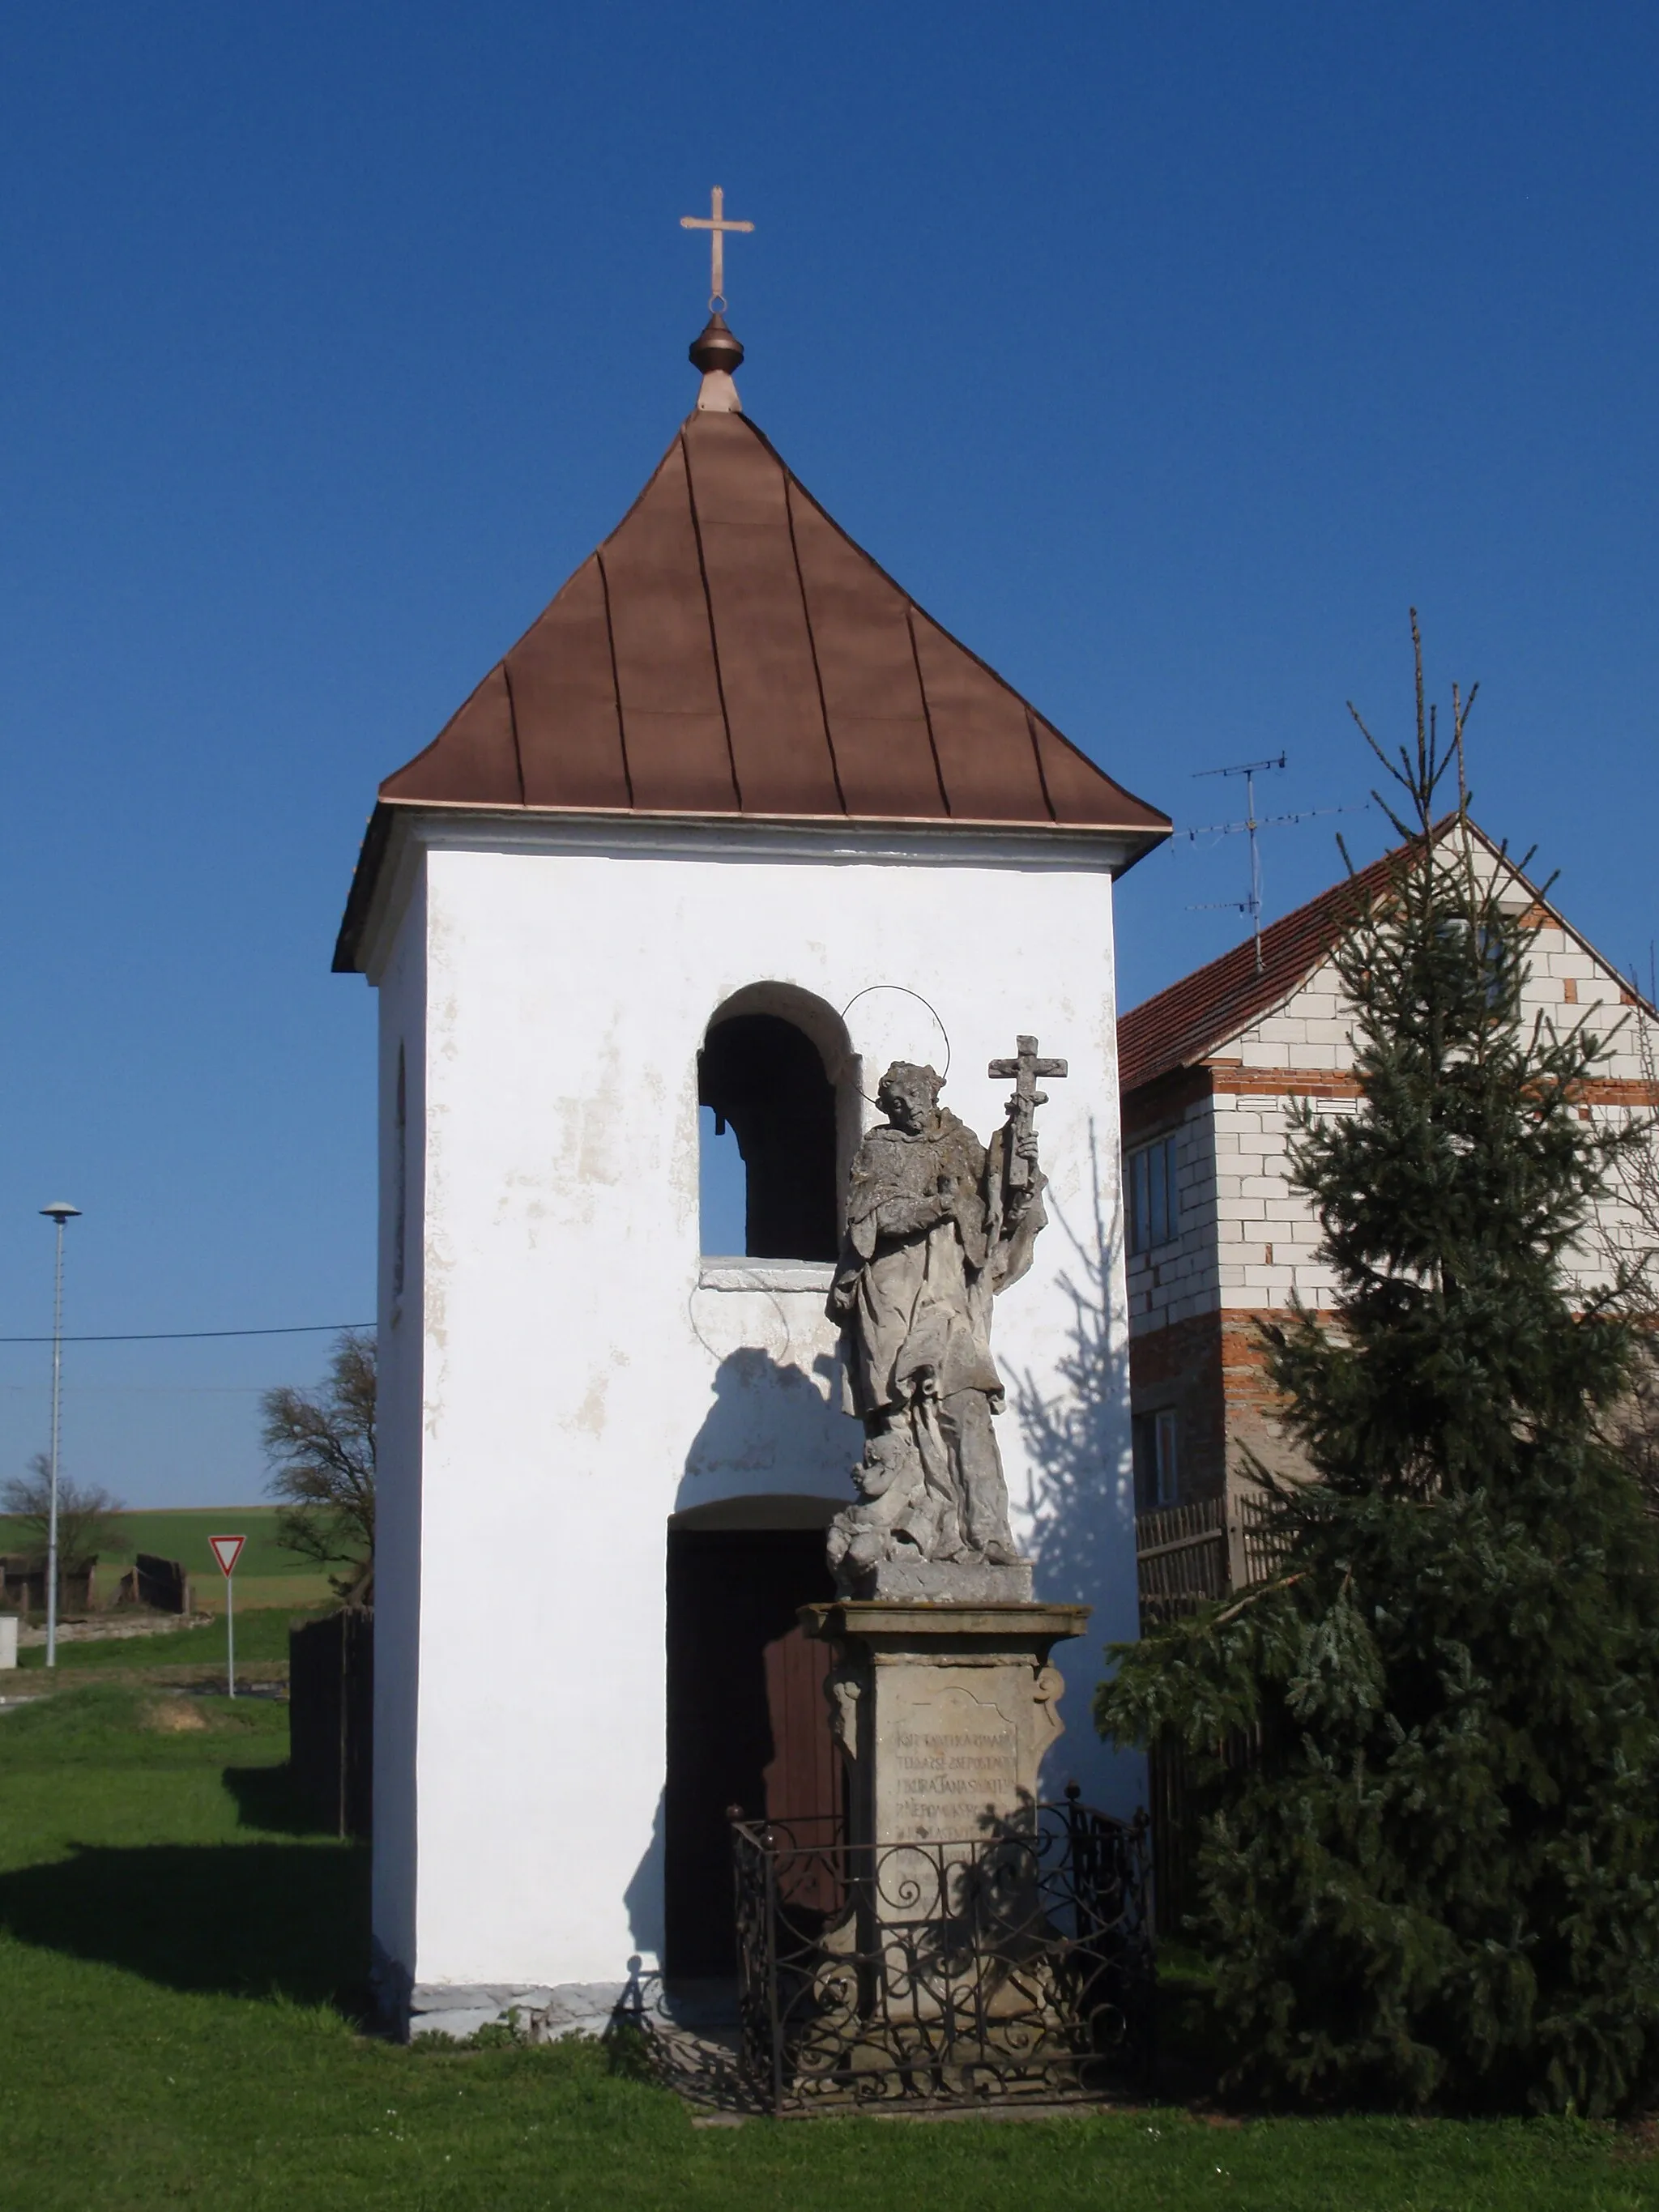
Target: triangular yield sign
<point>227,1550</point>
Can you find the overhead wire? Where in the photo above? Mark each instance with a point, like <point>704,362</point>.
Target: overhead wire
<point>195,1335</point>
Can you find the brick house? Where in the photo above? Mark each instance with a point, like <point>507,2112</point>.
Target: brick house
<point>1216,1237</point>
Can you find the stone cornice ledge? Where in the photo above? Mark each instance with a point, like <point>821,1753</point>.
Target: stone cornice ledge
<point>739,1274</point>
<point>752,837</point>
<point>400,832</point>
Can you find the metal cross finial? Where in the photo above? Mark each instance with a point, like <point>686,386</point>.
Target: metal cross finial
<point>715,224</point>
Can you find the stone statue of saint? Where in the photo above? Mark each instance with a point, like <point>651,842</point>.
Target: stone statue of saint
<point>937,1224</point>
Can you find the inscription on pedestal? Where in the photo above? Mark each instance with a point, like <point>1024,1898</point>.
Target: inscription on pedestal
<point>952,1760</point>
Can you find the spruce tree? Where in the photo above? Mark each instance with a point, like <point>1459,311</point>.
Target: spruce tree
<point>1434,1879</point>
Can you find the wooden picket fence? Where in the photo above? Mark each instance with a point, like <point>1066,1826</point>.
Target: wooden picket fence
<point>1180,1557</point>
<point>1185,1556</point>
<point>331,1718</point>
<point>1188,1554</point>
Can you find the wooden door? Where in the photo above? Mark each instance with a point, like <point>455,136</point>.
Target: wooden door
<point>748,1723</point>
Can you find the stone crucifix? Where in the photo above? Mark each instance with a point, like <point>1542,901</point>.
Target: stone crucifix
<point>714,222</point>
<point>1024,1069</point>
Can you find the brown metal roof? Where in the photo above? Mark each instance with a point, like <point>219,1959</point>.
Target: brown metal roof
<point>730,651</point>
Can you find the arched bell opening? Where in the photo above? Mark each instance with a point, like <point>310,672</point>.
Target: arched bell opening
<point>776,1085</point>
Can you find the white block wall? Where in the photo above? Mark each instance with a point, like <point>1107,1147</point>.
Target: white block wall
<point>1267,1234</point>
<point>1183,1277</point>
<point>1247,1240</point>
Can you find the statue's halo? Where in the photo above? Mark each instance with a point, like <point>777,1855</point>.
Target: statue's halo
<point>899,1047</point>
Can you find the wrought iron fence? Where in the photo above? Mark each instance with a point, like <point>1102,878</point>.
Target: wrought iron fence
<point>1014,1964</point>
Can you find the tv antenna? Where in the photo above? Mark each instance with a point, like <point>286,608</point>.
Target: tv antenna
<point>1251,823</point>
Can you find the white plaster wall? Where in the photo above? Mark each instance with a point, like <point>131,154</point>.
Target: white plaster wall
<point>398,1439</point>
<point>576,1385</point>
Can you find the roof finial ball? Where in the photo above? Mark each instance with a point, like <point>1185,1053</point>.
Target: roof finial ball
<point>714,350</point>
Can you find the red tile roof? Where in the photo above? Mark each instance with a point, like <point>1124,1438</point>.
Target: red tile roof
<point>1187,1021</point>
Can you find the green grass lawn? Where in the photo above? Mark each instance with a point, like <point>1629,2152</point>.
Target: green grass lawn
<point>180,1961</point>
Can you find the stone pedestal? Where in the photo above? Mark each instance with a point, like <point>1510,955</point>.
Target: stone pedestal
<point>944,1581</point>
<point>943,1711</point>
<point>943,1943</point>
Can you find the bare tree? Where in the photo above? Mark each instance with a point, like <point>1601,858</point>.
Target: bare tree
<point>85,1511</point>
<point>321,1447</point>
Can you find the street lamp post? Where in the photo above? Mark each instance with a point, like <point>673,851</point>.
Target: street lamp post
<point>60,1213</point>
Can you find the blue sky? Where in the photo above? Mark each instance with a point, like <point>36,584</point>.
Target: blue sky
<point>1167,353</point>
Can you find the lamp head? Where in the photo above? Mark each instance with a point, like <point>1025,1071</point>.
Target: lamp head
<point>61,1212</point>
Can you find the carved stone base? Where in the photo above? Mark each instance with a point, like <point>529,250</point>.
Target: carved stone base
<point>946,1582</point>
<point>944,1710</point>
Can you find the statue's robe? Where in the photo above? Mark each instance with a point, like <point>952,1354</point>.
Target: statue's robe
<point>915,1304</point>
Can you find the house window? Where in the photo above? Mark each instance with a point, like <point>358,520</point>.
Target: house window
<point>1156,1470</point>
<point>1152,1202</point>
<point>1455,931</point>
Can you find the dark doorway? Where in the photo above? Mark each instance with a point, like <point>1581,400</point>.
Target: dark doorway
<point>748,1723</point>
<point>764,1077</point>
